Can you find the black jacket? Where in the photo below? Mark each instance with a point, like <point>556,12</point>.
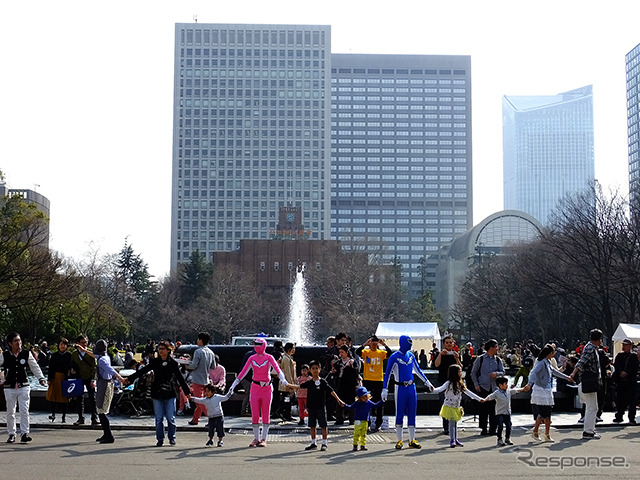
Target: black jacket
<point>165,375</point>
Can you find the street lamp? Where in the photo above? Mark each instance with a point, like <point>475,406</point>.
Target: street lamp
<point>59,326</point>
<point>520,323</point>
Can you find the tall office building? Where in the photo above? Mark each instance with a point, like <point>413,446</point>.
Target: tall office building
<point>401,155</point>
<point>251,133</point>
<point>547,149</point>
<point>633,120</point>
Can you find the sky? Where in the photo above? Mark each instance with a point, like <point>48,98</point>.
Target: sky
<point>87,93</point>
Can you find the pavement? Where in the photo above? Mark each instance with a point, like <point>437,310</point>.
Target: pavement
<point>73,454</point>
<point>426,423</point>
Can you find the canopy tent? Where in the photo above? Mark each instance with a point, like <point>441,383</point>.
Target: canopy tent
<point>424,335</point>
<point>625,330</point>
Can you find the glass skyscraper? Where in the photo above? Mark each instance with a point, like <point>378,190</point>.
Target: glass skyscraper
<point>547,149</point>
<point>251,133</point>
<point>401,156</point>
<point>633,120</point>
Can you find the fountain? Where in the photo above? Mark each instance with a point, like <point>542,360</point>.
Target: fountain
<point>299,313</point>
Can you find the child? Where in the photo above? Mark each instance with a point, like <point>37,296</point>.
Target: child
<point>451,410</point>
<point>212,401</point>
<point>523,372</point>
<point>502,396</point>
<point>302,394</point>
<point>541,378</point>
<point>362,407</point>
<point>317,389</point>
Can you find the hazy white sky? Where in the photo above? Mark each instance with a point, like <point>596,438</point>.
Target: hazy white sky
<point>87,92</point>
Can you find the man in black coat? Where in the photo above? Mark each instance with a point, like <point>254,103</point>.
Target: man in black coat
<point>626,377</point>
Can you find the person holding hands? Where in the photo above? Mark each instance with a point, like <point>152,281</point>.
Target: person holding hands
<point>447,357</point>
<point>402,364</point>
<point>317,389</point>
<point>486,368</point>
<point>261,364</point>
<point>373,358</point>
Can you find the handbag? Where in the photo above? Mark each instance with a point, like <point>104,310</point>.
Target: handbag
<point>72,388</point>
<point>590,382</point>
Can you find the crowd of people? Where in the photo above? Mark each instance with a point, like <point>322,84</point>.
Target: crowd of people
<point>345,385</point>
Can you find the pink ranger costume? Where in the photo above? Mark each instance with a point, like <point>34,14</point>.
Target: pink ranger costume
<point>261,389</point>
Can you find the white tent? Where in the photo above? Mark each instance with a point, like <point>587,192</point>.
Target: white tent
<point>424,335</point>
<point>625,330</point>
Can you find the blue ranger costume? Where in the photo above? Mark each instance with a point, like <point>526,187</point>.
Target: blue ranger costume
<point>402,364</point>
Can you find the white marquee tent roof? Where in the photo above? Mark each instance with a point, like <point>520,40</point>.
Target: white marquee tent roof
<point>414,330</point>
<point>625,330</point>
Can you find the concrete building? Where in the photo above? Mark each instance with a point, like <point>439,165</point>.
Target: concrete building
<point>547,149</point>
<point>251,133</point>
<point>31,196</point>
<point>633,120</point>
<point>401,156</point>
<point>490,236</point>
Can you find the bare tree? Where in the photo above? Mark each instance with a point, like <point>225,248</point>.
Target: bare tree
<point>231,303</point>
<point>356,288</point>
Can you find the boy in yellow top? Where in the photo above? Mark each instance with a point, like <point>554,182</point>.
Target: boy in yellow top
<point>373,359</point>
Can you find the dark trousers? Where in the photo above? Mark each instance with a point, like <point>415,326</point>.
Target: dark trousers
<point>216,427</point>
<point>285,405</point>
<point>275,397</point>
<point>91,397</point>
<point>246,384</point>
<point>376,394</point>
<point>503,420</point>
<point>626,399</point>
<point>487,412</point>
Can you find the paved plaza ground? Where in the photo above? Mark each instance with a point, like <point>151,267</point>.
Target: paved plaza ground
<point>64,451</point>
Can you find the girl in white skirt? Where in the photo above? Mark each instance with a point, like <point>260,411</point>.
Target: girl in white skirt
<point>541,378</point>
<point>451,410</point>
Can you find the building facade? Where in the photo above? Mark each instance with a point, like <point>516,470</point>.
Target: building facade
<point>401,156</point>
<point>547,149</point>
<point>41,202</point>
<point>633,120</point>
<point>251,133</point>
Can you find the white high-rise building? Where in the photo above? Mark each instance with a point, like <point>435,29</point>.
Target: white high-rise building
<point>633,120</point>
<point>251,133</point>
<point>547,149</point>
<point>401,168</point>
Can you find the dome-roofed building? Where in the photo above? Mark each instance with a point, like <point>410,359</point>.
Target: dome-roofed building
<point>490,236</point>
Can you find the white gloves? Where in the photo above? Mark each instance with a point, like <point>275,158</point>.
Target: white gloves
<point>384,394</point>
<point>234,385</point>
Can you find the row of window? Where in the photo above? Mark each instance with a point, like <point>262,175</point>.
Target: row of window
<point>316,73</point>
<point>313,195</point>
<point>346,163</point>
<point>303,108</point>
<point>289,154</point>
<point>373,106</point>
<point>396,194</point>
<point>389,98</point>
<point>401,124</point>
<point>240,37</point>
<point>401,116</point>
<point>398,81</point>
<point>443,151</point>
<point>198,55</point>
<point>397,90</point>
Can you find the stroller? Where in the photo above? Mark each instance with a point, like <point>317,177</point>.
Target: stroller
<point>135,399</point>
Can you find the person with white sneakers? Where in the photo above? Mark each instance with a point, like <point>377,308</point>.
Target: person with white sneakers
<point>14,362</point>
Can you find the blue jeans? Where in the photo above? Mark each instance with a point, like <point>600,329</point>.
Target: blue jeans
<point>504,420</point>
<point>165,409</point>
